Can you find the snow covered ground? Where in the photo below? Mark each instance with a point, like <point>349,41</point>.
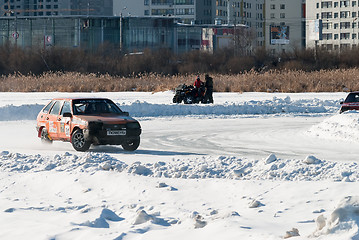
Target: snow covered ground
<point>251,166</point>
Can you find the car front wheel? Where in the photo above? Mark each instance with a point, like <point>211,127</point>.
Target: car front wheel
<point>78,141</point>
<point>132,144</point>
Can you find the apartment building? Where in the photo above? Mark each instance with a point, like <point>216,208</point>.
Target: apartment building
<point>189,11</point>
<point>55,7</point>
<point>247,12</point>
<point>284,25</point>
<point>339,23</point>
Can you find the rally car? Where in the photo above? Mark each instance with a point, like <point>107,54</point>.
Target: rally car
<point>351,102</point>
<point>86,121</point>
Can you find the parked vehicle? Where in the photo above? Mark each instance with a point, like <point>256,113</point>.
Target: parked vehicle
<point>351,102</point>
<point>86,121</point>
<point>189,94</point>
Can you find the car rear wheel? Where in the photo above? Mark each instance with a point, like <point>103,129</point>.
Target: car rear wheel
<point>45,136</point>
<point>78,141</point>
<point>132,144</point>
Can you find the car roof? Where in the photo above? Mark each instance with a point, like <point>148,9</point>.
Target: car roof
<point>80,98</point>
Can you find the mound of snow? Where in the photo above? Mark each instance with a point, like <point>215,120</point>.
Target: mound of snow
<point>271,158</point>
<point>227,167</point>
<point>343,126</point>
<point>23,112</point>
<point>16,162</point>
<point>345,218</point>
<point>145,109</point>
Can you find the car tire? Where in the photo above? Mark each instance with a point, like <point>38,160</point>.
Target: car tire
<point>45,136</point>
<point>131,145</point>
<point>78,141</point>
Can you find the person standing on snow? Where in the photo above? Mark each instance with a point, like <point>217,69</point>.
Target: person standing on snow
<point>197,85</point>
<point>208,97</point>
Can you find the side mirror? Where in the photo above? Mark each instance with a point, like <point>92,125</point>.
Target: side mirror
<point>341,102</point>
<point>126,114</point>
<point>67,114</point>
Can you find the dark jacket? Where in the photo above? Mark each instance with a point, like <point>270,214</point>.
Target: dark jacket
<point>209,82</point>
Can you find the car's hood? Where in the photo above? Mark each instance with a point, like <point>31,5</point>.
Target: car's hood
<point>105,118</point>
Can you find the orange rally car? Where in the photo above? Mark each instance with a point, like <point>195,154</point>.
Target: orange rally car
<point>86,121</point>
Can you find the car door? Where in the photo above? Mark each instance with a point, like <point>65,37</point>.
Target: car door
<point>65,122</point>
<point>53,120</point>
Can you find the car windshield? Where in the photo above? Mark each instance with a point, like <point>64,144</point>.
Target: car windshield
<point>95,107</point>
<point>352,97</point>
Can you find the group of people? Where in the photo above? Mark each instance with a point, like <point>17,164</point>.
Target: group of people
<point>205,88</point>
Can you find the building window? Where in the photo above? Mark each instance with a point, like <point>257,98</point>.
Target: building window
<point>326,15</point>
<point>344,14</point>
<point>272,15</point>
<point>344,35</point>
<point>327,25</point>
<point>282,15</point>
<point>272,6</point>
<point>344,3</point>
<point>282,6</point>
<point>335,4</point>
<point>336,15</point>
<point>335,36</point>
<point>327,4</point>
<point>147,12</point>
<point>344,25</point>
<point>146,3</point>
<point>327,36</point>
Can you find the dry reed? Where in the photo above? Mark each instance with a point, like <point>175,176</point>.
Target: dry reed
<point>250,81</point>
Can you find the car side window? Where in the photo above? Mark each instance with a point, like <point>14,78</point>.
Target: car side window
<point>56,108</point>
<point>47,108</point>
<point>66,108</point>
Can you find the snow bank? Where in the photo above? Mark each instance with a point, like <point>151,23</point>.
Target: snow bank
<point>344,219</point>
<point>145,109</point>
<point>23,112</point>
<point>343,126</point>
<point>198,168</point>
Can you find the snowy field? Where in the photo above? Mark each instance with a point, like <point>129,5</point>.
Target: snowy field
<point>251,166</point>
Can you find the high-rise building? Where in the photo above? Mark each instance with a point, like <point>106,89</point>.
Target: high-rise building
<point>282,20</point>
<point>277,25</point>
<point>55,7</point>
<point>339,21</point>
<point>284,25</point>
<point>189,11</point>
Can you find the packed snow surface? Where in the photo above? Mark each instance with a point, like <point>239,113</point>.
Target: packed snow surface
<point>251,166</point>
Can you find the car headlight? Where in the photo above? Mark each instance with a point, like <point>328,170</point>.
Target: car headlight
<point>95,125</point>
<point>133,125</point>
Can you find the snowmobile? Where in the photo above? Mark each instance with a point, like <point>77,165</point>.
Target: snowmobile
<point>188,94</point>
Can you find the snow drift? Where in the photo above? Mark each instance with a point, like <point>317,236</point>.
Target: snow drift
<point>343,126</point>
<point>145,109</point>
<point>225,167</point>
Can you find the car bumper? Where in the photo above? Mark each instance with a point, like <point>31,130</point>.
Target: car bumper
<point>100,137</point>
